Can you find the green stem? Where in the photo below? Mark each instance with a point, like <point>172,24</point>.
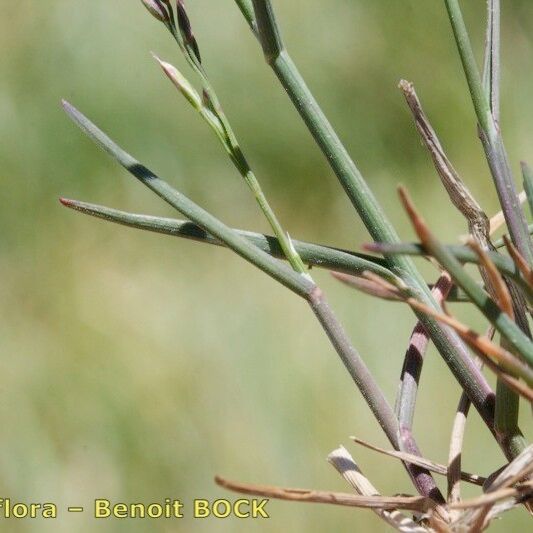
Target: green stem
<point>506,417</point>
<point>492,66</point>
<point>473,77</point>
<point>490,136</point>
<point>527,174</point>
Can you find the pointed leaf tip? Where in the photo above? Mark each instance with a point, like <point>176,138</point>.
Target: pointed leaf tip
<point>64,201</point>
<point>69,108</point>
<point>417,221</point>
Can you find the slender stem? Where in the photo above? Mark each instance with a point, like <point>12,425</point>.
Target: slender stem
<point>414,360</point>
<point>473,78</point>
<point>490,135</point>
<point>325,136</point>
<point>351,179</point>
<point>508,194</point>
<point>527,174</point>
<point>421,477</point>
<point>359,372</point>
<point>492,66</point>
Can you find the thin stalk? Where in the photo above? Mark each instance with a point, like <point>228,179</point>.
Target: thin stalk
<point>447,342</point>
<point>527,174</point>
<point>212,114</point>
<point>414,360</point>
<point>490,136</point>
<point>300,285</point>
<point>492,63</point>
<point>507,401</point>
<point>349,175</point>
<point>422,479</point>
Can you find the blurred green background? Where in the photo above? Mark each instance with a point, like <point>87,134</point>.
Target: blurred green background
<point>135,366</point>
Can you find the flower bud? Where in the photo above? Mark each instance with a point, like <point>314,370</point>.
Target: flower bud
<point>156,9</point>
<point>186,30</point>
<point>181,83</point>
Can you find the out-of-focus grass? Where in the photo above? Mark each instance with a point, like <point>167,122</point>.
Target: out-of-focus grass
<point>134,366</point>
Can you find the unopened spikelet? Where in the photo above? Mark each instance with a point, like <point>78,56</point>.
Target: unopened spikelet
<point>186,30</point>
<point>156,9</point>
<point>181,83</point>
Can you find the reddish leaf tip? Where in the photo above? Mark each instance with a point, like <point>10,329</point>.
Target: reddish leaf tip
<point>66,202</point>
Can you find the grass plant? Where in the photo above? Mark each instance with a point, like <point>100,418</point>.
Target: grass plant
<point>503,293</point>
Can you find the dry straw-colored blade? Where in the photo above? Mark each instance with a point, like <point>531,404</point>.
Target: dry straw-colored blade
<point>458,192</point>
<point>432,466</point>
<point>501,495</point>
<point>519,261</point>
<point>344,463</point>
<point>496,283</point>
<point>368,286</point>
<point>411,503</point>
<point>524,490</point>
<point>515,471</point>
